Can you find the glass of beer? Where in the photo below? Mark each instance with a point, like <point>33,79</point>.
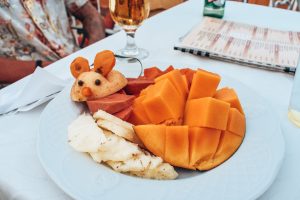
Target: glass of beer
<point>129,14</point>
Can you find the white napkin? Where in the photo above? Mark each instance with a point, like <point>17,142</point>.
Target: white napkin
<point>30,92</point>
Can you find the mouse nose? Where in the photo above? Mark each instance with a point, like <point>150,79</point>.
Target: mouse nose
<point>86,91</point>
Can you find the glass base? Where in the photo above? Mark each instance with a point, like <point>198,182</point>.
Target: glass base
<point>294,116</point>
<point>138,53</point>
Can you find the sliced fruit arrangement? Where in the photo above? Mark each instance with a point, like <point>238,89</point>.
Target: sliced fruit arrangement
<point>185,120</point>
<point>103,88</point>
<point>180,116</point>
<point>108,139</point>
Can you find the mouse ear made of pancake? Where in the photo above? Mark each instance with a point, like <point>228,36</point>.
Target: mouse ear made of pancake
<point>78,66</point>
<point>104,62</point>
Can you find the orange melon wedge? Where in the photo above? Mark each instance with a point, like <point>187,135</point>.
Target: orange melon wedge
<point>236,122</point>
<point>204,84</point>
<point>162,103</point>
<point>177,146</point>
<point>177,80</point>
<point>196,128</point>
<point>153,137</point>
<point>230,96</point>
<point>203,145</point>
<point>228,145</point>
<point>138,115</point>
<point>207,112</point>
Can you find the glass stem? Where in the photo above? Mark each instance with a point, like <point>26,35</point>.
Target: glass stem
<point>130,49</point>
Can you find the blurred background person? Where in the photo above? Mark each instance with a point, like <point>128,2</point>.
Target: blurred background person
<point>34,32</point>
<point>102,7</point>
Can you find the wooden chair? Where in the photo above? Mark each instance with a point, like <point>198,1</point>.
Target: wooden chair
<point>290,4</point>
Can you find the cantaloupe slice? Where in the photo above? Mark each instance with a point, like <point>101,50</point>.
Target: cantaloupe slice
<point>228,145</point>
<point>207,112</point>
<point>203,143</point>
<point>177,146</point>
<point>177,80</point>
<point>165,104</point>
<point>153,137</point>
<point>236,122</point>
<point>138,115</point>
<point>230,96</point>
<point>152,72</point>
<point>204,84</point>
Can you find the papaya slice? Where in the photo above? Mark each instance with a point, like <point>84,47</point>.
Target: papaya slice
<point>136,85</point>
<point>112,104</point>
<point>207,112</point>
<point>169,69</point>
<point>152,72</point>
<point>104,62</point>
<point>177,146</point>
<point>204,84</point>
<point>230,96</point>
<point>153,137</point>
<point>124,114</point>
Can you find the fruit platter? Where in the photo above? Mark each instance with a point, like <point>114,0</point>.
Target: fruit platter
<point>170,128</point>
<point>173,116</point>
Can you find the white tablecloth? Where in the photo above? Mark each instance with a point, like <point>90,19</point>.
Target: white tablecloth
<point>22,176</point>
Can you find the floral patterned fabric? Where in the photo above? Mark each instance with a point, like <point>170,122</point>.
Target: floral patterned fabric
<point>37,29</point>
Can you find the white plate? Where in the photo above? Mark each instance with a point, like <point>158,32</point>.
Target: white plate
<point>246,175</point>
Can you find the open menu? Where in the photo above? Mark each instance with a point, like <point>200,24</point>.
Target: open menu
<point>245,44</point>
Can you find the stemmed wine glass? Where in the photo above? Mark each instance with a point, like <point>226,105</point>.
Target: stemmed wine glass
<point>130,14</point>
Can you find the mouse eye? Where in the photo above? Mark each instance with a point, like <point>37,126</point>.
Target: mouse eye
<point>80,83</point>
<point>97,82</point>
